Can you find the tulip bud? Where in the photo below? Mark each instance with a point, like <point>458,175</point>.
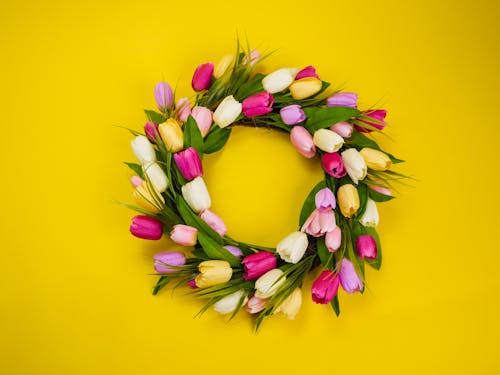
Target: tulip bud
<point>319,222</point>
<point>255,265</point>
<point>147,199</point>
<point>324,199</point>
<point>254,58</point>
<point>167,262</point>
<point>222,65</point>
<point>349,279</point>
<point>333,165</point>
<point>157,177</point>
<point>214,222</point>
<point>303,141</point>
<point>146,227</point>
<point>379,123</point>
<point>348,199</point>
<point>327,140</point>
<point>151,130</point>
<point>236,251</point>
<point>366,247</point>
<point>136,181</point>
<point>381,189</point>
<point>171,134</point>
<point>325,287</point>
<point>213,272</point>
<point>279,80</point>
<point>269,283</point>
<point>375,159</point>
<point>291,305</point>
<point>305,88</point>
<point>354,164</point>
<point>343,99</point>
<point>292,114</point>
<point>196,195</point>
<point>229,303</point>
<point>203,117</point>
<point>189,163</point>
<point>183,109</point>
<point>258,104</point>
<point>308,71</point>
<point>370,217</point>
<point>202,77</point>
<point>143,150</point>
<point>293,247</point>
<point>342,128</point>
<point>333,239</point>
<point>163,96</point>
<point>184,235</point>
<point>256,304</point>
<point>227,112</point>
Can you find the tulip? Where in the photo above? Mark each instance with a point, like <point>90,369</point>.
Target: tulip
<point>319,223</point>
<point>143,150</point>
<point>349,279</point>
<point>163,96</point>
<point>327,140</point>
<point>189,163</point>
<point>269,283</point>
<point>167,262</point>
<point>192,284</point>
<point>366,247</point>
<point>291,305</point>
<point>229,303</point>
<point>214,222</point>
<point>380,189</point>
<point>255,265</point>
<point>236,251</point>
<point>308,71</point>
<point>148,199</point>
<point>333,239</point>
<point>151,130</point>
<point>202,77</point>
<point>213,272</point>
<point>348,199</point>
<point>256,304</point>
<point>342,128</point>
<point>136,181</point>
<point>146,227</point>
<point>324,199</point>
<point>254,57</point>
<point>222,65</point>
<point>184,235</point>
<point>292,114</point>
<point>258,104</point>
<point>196,195</point>
<point>343,99</point>
<point>279,80</point>
<point>183,109</point>
<point>325,287</point>
<point>303,141</point>
<point>375,159</point>
<point>157,177</point>
<point>333,165</point>
<point>293,247</point>
<point>305,88</point>
<point>354,164</point>
<point>370,216</point>
<point>171,134</point>
<point>378,115</point>
<point>203,117</point>
<point>227,112</point>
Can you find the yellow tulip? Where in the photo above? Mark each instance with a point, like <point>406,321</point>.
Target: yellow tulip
<point>375,159</point>
<point>291,305</point>
<point>171,134</point>
<point>305,87</point>
<point>213,272</point>
<point>145,198</point>
<point>222,65</point>
<point>348,199</point>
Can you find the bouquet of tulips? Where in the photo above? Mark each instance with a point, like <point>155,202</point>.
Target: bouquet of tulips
<point>336,233</point>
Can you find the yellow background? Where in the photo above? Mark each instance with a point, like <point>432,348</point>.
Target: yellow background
<point>75,290</point>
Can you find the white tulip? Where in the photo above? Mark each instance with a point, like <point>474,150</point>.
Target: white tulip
<point>370,216</point>
<point>157,177</point>
<point>229,303</point>
<point>227,111</point>
<point>293,247</point>
<point>327,140</point>
<point>143,150</point>
<point>291,305</point>
<point>354,164</point>
<point>279,80</point>
<point>196,195</point>
<point>268,283</point>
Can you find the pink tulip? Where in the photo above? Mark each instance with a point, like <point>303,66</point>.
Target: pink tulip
<point>308,71</point>
<point>303,141</point>
<point>258,104</point>
<point>236,251</point>
<point>136,181</point>
<point>183,109</point>
<point>378,115</point>
<point>325,287</point>
<point>349,279</point>
<point>381,190</point>
<point>202,77</point>
<point>189,163</point>
<point>146,227</point>
<point>324,199</point>
<point>203,117</point>
<point>163,96</point>
<point>333,239</point>
<point>343,128</point>
<point>151,130</point>
<point>254,57</point>
<point>343,99</point>
<point>333,165</point>
<point>366,247</point>
<point>292,114</point>
<point>256,304</point>
<point>319,222</point>
<point>167,261</point>
<point>184,235</point>
<point>257,264</point>
<point>214,222</point>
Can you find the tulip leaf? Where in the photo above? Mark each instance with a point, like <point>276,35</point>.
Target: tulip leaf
<point>191,219</point>
<point>215,250</point>
<point>359,141</point>
<point>160,284</point>
<point>335,305</point>
<point>363,199</point>
<point>324,255</point>
<point>377,262</point>
<point>326,117</point>
<point>253,86</point>
<point>136,168</point>
<point>192,136</point>
<point>154,116</point>
<point>379,197</point>
<point>309,203</point>
<point>216,139</point>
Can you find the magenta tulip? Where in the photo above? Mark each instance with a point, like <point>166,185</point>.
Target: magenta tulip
<point>366,247</point>
<point>349,279</point>
<point>204,119</point>
<point>325,287</point>
<point>303,141</point>
<point>343,128</point>
<point>189,163</point>
<point>292,114</point>
<point>333,239</point>
<point>184,235</point>
<point>236,251</point>
<point>324,199</point>
<point>308,71</point>
<point>146,227</point>
<point>257,264</point>
<point>258,104</point>
<point>343,99</point>
<point>333,164</point>
<point>163,96</point>
<point>378,115</point>
<point>183,109</point>
<point>192,284</point>
<point>319,222</point>
<point>151,131</point>
<point>167,261</point>
<point>214,222</point>
<point>202,77</point>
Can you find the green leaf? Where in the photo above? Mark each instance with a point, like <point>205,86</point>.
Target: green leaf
<point>199,253</point>
<point>136,168</point>
<point>192,136</point>
<point>325,117</point>
<point>216,139</point>
<point>379,197</point>
<point>161,283</point>
<point>335,305</point>
<point>309,203</point>
<point>324,255</point>
<point>253,86</point>
<point>154,116</point>
<point>193,220</point>
<point>215,250</point>
<point>359,141</point>
<point>377,262</point>
<point>363,199</point>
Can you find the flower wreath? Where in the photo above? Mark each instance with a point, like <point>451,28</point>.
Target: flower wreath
<point>336,231</point>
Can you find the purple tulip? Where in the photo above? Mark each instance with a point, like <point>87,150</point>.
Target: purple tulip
<point>308,71</point>
<point>325,287</point>
<point>163,96</point>
<point>202,77</point>
<point>366,247</point>
<point>146,227</point>
<point>324,199</point>
<point>349,279</point>
<point>167,261</point>
<point>378,115</point>
<point>189,163</point>
<point>258,104</point>
<point>151,130</point>
<point>343,99</point>
<point>192,284</point>
<point>258,264</point>
<point>292,114</point>
<point>333,164</point>
<point>236,251</point>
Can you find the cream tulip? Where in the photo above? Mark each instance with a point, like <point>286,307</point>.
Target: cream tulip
<point>147,199</point>
<point>143,150</point>
<point>157,177</point>
<point>196,195</point>
<point>229,303</point>
<point>291,305</point>
<point>227,112</point>
<point>279,80</point>
<point>354,164</point>
<point>269,283</point>
<point>348,199</point>
<point>375,159</point>
<point>293,247</point>
<point>370,217</point>
<point>327,140</point>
